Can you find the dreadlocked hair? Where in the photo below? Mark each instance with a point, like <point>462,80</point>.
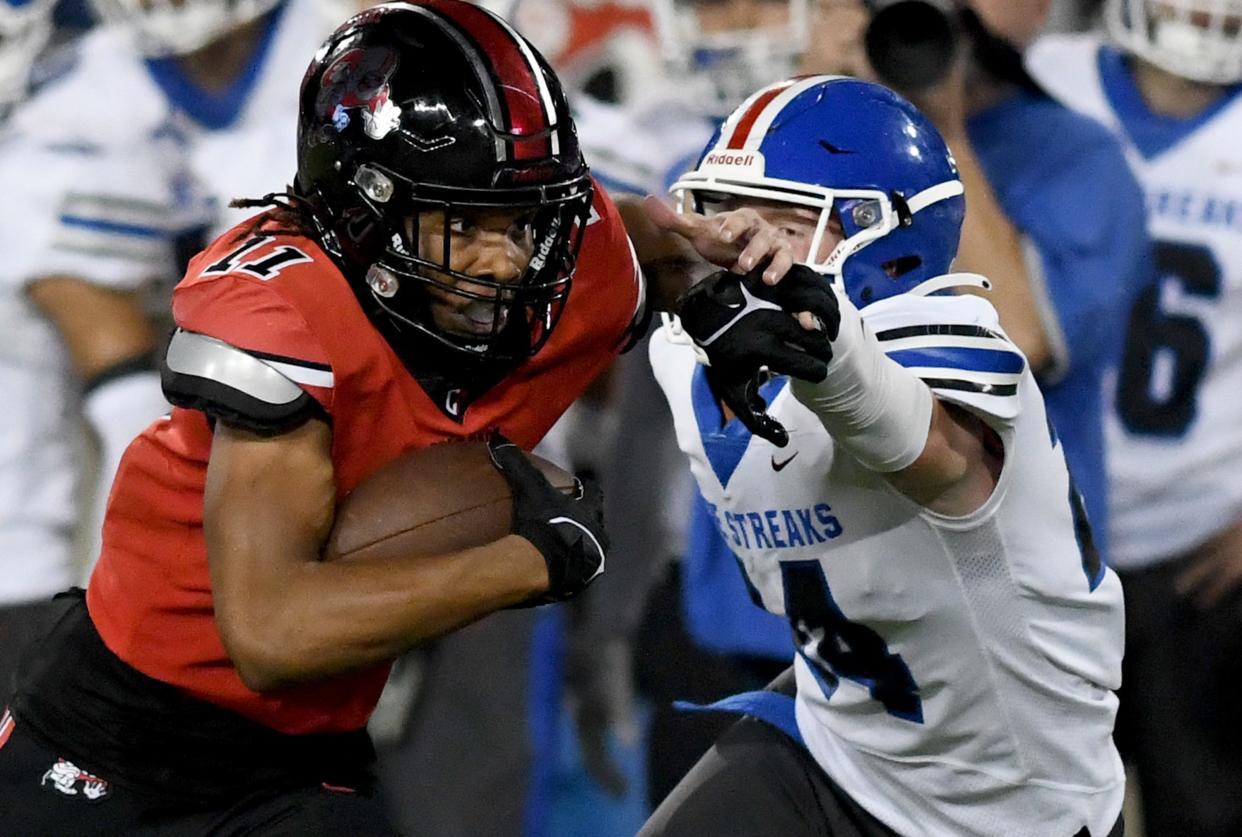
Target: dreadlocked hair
<point>291,213</point>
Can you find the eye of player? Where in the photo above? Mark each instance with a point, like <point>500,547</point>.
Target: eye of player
<point>518,227</point>
<point>795,223</point>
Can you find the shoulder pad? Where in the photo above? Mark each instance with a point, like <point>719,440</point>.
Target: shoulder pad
<point>262,395</point>
<point>956,345</point>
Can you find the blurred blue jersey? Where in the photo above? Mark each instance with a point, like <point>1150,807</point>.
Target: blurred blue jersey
<point>719,607</point>
<point>1064,183</point>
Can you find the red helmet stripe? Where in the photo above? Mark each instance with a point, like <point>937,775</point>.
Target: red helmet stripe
<point>527,101</point>
<point>6,727</point>
<point>742,131</point>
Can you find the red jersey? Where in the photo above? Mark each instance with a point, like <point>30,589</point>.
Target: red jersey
<point>286,305</point>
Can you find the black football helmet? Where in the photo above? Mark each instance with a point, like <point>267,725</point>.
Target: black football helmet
<point>440,106</point>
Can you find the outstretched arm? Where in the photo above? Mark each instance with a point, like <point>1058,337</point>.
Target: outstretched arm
<point>677,251</point>
<point>939,455</point>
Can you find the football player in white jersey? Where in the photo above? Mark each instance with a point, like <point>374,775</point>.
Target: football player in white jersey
<point>908,508</point>
<point>1054,212</point>
<point>159,123</point>
<point>1168,82</point>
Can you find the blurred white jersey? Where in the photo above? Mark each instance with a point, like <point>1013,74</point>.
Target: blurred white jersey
<point>164,157</point>
<point>40,436</point>
<point>640,150</point>
<point>1175,433</point>
<point>107,171</point>
<point>955,675</point>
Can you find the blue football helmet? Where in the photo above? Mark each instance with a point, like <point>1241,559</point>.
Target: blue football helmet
<point>856,151</point>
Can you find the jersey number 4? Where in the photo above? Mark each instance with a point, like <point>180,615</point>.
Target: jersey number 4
<point>835,647</point>
<point>1180,338</point>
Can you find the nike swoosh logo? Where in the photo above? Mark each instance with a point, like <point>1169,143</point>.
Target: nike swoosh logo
<point>780,466</point>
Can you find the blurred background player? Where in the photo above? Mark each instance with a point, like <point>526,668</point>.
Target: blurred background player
<point>163,119</point>
<point>1167,81</point>
<point>37,510</point>
<point>958,638</point>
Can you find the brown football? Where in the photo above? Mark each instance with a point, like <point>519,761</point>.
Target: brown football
<point>428,501</point>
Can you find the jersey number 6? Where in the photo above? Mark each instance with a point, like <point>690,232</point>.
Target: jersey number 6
<point>1182,338</point>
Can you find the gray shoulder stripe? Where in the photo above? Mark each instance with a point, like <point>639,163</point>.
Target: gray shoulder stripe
<point>200,356</point>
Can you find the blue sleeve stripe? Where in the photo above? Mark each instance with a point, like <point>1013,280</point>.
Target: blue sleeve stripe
<point>112,227</point>
<point>962,358</point>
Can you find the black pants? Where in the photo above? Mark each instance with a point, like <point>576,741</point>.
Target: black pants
<point>20,625</point>
<point>95,747</point>
<point>1179,722</point>
<point>756,782</point>
<point>45,795</point>
<point>669,666</point>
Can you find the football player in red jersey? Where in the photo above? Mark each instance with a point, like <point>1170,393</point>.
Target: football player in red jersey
<point>413,287</point>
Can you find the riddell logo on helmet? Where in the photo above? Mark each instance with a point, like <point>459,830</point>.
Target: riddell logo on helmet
<point>540,259</point>
<point>734,160</point>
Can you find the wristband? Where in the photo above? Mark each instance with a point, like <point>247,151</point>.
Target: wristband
<point>871,406</point>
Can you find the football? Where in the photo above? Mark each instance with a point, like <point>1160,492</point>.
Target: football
<point>437,499</point>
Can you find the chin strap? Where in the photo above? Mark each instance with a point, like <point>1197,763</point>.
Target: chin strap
<point>949,281</point>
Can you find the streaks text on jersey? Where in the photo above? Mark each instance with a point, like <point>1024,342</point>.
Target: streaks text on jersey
<point>778,528</point>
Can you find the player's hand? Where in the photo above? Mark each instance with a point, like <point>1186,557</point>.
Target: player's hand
<point>737,240</point>
<point>746,327</point>
<point>1215,573</point>
<point>567,531</point>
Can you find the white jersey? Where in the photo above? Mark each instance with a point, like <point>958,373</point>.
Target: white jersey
<point>640,150</point>
<point>955,675</point>
<point>40,436</point>
<point>164,157</point>
<point>1175,433</point>
<point>105,170</point>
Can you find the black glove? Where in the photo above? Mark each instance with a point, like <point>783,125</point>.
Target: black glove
<point>567,531</point>
<point>745,325</point>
